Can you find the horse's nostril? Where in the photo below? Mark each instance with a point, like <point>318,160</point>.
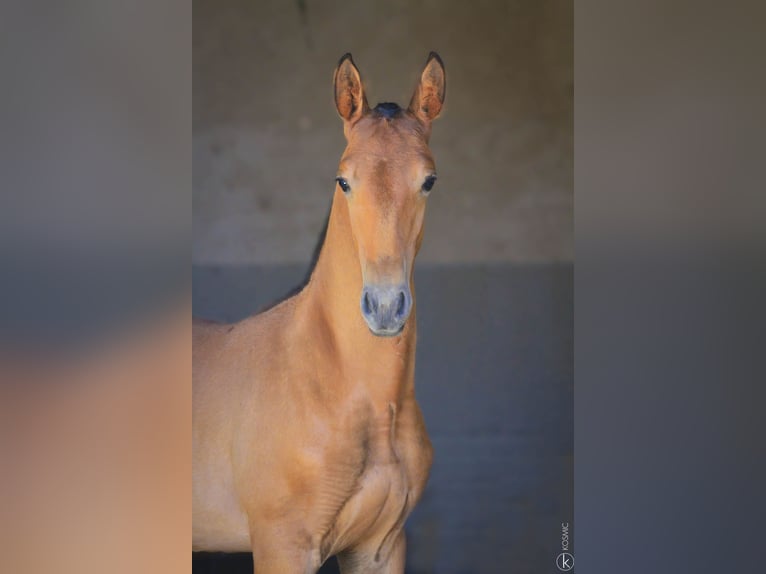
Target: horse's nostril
<point>366,307</point>
<point>400,305</point>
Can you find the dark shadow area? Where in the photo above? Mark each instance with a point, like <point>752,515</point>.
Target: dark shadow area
<point>494,379</point>
<point>240,563</point>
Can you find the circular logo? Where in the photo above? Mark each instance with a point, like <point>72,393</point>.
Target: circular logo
<point>565,561</point>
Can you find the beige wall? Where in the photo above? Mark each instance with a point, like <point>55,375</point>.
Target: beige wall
<point>267,138</point>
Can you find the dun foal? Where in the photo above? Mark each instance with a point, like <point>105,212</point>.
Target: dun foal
<point>307,439</point>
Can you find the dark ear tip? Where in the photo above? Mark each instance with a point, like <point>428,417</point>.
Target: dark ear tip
<point>344,57</point>
<point>433,56</point>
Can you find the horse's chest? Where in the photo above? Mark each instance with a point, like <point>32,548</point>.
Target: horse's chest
<point>384,490</point>
<point>382,473</point>
<point>379,504</point>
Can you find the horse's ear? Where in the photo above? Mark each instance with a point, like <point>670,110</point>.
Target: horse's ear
<point>428,98</point>
<point>349,92</point>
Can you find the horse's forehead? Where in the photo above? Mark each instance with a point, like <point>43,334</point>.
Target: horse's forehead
<point>389,175</point>
<point>387,151</point>
<point>393,138</point>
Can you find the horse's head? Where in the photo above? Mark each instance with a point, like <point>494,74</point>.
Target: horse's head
<point>385,174</point>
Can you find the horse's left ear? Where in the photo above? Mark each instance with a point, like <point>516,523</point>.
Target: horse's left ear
<point>428,98</point>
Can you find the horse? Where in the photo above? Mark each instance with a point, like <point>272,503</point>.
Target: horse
<point>308,441</point>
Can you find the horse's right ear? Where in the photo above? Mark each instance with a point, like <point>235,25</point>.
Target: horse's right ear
<point>349,92</point>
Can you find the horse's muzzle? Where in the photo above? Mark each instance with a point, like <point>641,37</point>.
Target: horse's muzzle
<point>385,308</point>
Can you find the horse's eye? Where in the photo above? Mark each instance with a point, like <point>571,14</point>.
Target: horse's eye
<point>429,183</point>
<point>343,184</point>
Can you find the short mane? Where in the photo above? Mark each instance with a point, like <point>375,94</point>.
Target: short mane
<point>387,110</point>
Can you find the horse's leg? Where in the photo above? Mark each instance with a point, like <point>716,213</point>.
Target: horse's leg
<point>275,553</point>
<point>275,560</point>
<point>361,561</point>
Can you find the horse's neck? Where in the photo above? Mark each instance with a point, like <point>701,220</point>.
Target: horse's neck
<point>332,297</point>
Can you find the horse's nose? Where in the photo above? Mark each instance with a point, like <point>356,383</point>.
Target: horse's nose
<point>386,308</point>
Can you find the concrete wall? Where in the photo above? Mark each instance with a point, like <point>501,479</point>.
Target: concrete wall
<point>267,139</point>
